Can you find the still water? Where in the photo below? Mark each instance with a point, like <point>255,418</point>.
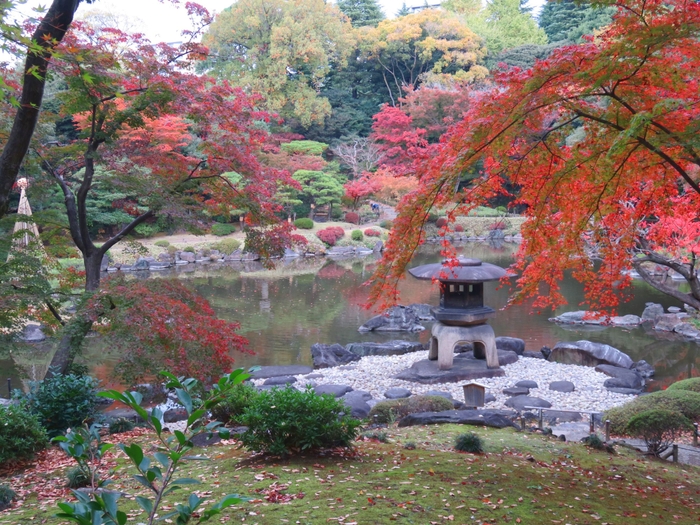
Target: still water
<point>318,300</point>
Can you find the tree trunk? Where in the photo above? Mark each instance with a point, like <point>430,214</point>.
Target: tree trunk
<point>92,270</point>
<point>68,347</point>
<point>48,34</point>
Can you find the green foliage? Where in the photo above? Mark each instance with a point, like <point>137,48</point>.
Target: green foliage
<point>395,409</point>
<point>76,478</point>
<point>692,385</point>
<point>523,56</point>
<point>377,435</point>
<point>362,12</point>
<point>386,224</point>
<point>172,250</point>
<point>62,401</point>
<point>156,472</point>
<point>220,229</point>
<point>84,444</point>
<point>682,401</point>
<point>320,187</point>
<point>6,496</point>
<point>189,249</point>
<point>469,442</point>
<point>162,243</point>
<point>410,445</point>
<point>21,434</point>
<point>147,230</point>
<point>288,421</point>
<point>357,235</point>
<point>596,442</point>
<point>227,246</point>
<point>659,428</point>
<point>237,400</point>
<point>117,426</point>
<point>567,21</point>
<point>304,147</point>
<point>304,223</point>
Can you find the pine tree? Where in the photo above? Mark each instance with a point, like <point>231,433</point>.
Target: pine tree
<point>403,11</point>
<point>362,12</point>
<point>568,21</point>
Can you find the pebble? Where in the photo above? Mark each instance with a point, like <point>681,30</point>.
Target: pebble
<point>374,374</point>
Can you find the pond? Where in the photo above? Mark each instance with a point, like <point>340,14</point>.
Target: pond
<point>319,300</point>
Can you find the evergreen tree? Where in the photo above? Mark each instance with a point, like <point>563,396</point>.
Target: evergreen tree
<point>403,11</point>
<point>362,12</point>
<point>567,21</point>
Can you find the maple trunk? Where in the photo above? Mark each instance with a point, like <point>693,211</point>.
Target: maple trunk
<point>48,34</point>
<point>92,270</point>
<point>68,347</point>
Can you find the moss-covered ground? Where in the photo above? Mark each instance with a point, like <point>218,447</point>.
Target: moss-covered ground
<point>521,478</point>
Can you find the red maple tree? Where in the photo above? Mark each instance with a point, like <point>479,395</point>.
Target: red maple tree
<point>601,140</point>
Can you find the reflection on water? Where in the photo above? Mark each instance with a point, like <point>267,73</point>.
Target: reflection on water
<point>317,300</point>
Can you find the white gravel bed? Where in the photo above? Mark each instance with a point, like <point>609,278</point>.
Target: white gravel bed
<point>374,374</point>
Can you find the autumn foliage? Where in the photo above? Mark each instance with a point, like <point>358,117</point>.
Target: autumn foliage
<point>331,235</point>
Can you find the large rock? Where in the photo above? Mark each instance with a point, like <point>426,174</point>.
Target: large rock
<point>562,386</point>
<point>389,348</point>
<point>526,383</point>
<point>357,401</point>
<point>667,322</point>
<point>285,370</point>
<point>428,373</point>
<point>512,344</point>
<point>141,264</point>
<point>32,333</point>
<point>587,353</point>
<point>621,377</point>
<point>652,312</point>
<point>516,391</point>
<point>580,317</point>
<point>422,311</point>
<point>483,418</point>
<point>520,403</point>
<point>396,319</point>
<point>187,257</point>
<point>328,356</point>
<point>687,330</point>
<point>625,320</point>
<point>644,369</point>
<point>175,414</point>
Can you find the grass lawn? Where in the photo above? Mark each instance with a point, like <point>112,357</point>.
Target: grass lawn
<point>522,478</point>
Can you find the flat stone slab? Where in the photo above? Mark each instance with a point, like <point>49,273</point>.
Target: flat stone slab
<point>516,391</point>
<point>396,347</point>
<point>527,384</point>
<point>520,402</point>
<point>587,353</point>
<point>280,380</point>
<point>335,390</point>
<point>397,393</point>
<point>562,386</point>
<point>428,373</point>
<point>482,418</point>
<point>533,355</point>
<point>283,370</point>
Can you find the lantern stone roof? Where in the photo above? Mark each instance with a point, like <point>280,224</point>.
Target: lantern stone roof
<point>466,271</point>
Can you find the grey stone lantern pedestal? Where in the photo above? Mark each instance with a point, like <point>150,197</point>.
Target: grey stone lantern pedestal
<point>461,315</point>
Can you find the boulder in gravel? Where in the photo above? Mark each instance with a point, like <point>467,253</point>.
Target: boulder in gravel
<point>328,356</point>
<point>516,391</point>
<point>520,402</point>
<point>587,353</point>
<point>483,418</point>
<point>652,312</point>
<point>512,344</point>
<point>489,398</point>
<point>397,393</point>
<point>280,380</point>
<point>396,347</point>
<point>357,401</point>
<point>396,319</point>
<point>562,386</point>
<point>335,390</point>
<point>527,384</point>
<point>621,377</point>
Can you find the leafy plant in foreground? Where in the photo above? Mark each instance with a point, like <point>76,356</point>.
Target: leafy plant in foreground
<point>85,446</point>
<point>157,472</point>
<point>21,434</point>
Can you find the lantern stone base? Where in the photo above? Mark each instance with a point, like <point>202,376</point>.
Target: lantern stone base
<point>428,373</point>
<point>445,339</point>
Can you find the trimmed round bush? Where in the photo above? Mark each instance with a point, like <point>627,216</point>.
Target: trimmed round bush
<point>394,409</point>
<point>330,235</point>
<point>357,235</point>
<point>288,421</point>
<point>470,443</point>
<point>62,401</point>
<point>692,385</point>
<point>189,249</point>
<point>370,232</point>
<point>459,228</point>
<point>352,217</point>
<point>304,223</point>
<point>220,229</point>
<point>227,246</point>
<point>386,224</point>
<point>21,434</point>
<point>6,496</point>
<point>441,222</point>
<point>682,401</point>
<point>172,250</point>
<point>231,409</point>
<point>659,428</point>
<point>162,243</point>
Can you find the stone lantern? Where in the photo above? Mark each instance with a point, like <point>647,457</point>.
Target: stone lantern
<point>461,315</point>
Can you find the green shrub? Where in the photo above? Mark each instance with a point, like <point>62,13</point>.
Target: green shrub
<point>147,230</point>
<point>288,421</point>
<point>231,409</point>
<point>172,250</point>
<point>596,442</point>
<point>162,243</point>
<point>683,401</point>
<point>220,229</point>
<point>189,249</point>
<point>304,147</point>
<point>377,435</point>
<point>394,409</point>
<point>6,496</point>
<point>227,246</point>
<point>386,224</point>
<point>410,445</point>
<point>692,385</point>
<point>21,434</point>
<point>304,223</point>
<point>659,428</point>
<point>62,401</point>
<point>469,442</point>
<point>356,235</point>
<point>120,425</point>
<point>76,478</point>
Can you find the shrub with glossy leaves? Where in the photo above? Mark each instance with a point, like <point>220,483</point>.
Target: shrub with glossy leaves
<point>21,434</point>
<point>287,421</point>
<point>356,235</point>
<point>237,400</point>
<point>304,223</point>
<point>394,409</point>
<point>62,401</point>
<point>659,428</point>
<point>331,235</point>
<point>469,442</point>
